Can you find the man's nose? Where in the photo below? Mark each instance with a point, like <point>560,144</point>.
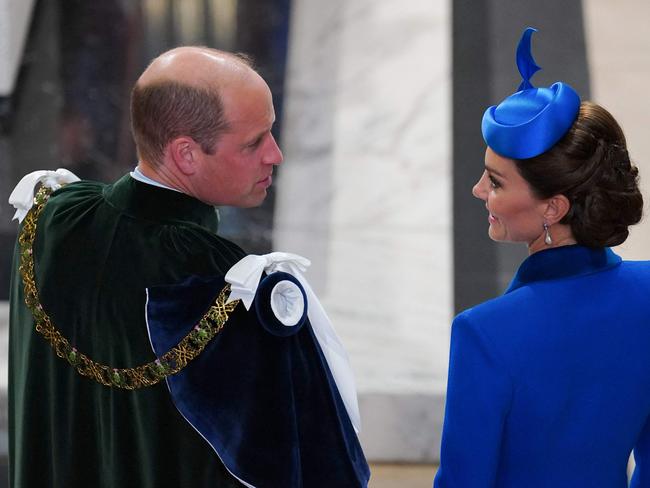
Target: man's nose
<point>273,154</point>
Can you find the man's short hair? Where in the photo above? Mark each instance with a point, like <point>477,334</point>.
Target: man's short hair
<point>162,111</point>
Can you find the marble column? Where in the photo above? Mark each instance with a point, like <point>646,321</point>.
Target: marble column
<point>618,59</point>
<point>14,21</point>
<point>15,16</point>
<point>365,193</point>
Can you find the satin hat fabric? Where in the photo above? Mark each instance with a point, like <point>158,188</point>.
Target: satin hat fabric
<point>530,121</point>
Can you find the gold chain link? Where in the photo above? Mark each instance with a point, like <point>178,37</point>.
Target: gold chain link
<point>147,374</point>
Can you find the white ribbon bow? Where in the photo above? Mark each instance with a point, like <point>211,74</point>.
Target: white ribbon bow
<point>244,277</point>
<point>22,198</point>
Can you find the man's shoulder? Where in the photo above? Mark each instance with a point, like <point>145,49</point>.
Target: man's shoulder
<point>79,188</point>
<point>74,194</point>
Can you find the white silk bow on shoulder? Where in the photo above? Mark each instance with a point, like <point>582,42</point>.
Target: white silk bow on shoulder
<point>244,278</point>
<point>245,275</point>
<point>22,198</point>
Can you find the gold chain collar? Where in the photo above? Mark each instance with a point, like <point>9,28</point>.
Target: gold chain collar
<point>147,374</point>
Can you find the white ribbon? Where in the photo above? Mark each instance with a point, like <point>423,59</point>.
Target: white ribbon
<point>22,198</point>
<point>244,277</point>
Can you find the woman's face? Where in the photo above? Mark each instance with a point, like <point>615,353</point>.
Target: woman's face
<point>515,214</point>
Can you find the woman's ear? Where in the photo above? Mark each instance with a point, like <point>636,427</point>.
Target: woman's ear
<point>183,153</point>
<point>556,208</point>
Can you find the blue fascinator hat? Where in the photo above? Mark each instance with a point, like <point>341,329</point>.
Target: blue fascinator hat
<point>530,121</point>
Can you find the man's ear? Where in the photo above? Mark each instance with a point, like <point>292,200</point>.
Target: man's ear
<point>183,151</point>
<point>556,208</point>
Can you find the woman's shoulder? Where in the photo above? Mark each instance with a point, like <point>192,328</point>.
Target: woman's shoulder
<point>507,328</point>
<point>544,307</point>
<point>642,268</point>
<point>507,306</point>
<point>497,322</point>
<point>634,279</point>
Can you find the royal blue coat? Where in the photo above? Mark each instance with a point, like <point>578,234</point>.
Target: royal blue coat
<point>549,384</point>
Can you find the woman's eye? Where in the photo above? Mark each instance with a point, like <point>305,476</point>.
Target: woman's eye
<point>494,183</point>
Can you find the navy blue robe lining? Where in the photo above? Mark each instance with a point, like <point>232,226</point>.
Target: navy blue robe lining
<point>268,405</point>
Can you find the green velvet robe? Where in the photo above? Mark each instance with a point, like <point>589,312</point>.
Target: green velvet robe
<point>97,248</point>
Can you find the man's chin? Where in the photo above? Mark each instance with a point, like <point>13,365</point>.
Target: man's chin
<point>253,202</point>
<point>250,202</point>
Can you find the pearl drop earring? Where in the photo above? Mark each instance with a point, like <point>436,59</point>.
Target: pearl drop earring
<point>547,237</point>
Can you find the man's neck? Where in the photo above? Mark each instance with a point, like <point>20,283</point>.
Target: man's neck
<point>137,174</point>
<point>161,175</point>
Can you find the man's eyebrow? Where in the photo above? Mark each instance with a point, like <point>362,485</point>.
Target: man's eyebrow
<point>257,137</point>
<point>263,132</point>
<point>492,170</point>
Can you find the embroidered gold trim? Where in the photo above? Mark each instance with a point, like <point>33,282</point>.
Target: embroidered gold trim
<point>147,374</point>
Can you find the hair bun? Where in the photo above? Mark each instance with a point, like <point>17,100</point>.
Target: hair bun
<point>591,166</point>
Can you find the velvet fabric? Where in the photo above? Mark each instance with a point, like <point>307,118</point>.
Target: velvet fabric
<point>271,409</point>
<point>98,247</point>
<point>548,383</point>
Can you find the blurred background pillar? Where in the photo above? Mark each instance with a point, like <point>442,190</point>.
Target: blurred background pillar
<point>619,62</point>
<point>14,22</point>
<point>365,192</point>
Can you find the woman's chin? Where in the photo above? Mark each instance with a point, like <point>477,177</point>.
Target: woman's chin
<point>495,235</point>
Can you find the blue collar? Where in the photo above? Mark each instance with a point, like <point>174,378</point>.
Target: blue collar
<point>563,262</point>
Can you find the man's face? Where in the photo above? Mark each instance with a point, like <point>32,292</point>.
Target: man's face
<point>239,172</point>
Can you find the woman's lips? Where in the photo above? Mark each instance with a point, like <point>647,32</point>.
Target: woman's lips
<point>492,219</point>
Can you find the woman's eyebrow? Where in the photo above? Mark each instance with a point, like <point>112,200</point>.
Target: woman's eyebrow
<point>494,171</point>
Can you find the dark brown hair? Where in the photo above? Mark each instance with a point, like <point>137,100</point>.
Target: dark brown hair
<point>167,109</point>
<point>590,165</point>
<point>164,110</point>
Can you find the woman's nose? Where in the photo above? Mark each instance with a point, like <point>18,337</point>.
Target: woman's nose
<point>478,190</point>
